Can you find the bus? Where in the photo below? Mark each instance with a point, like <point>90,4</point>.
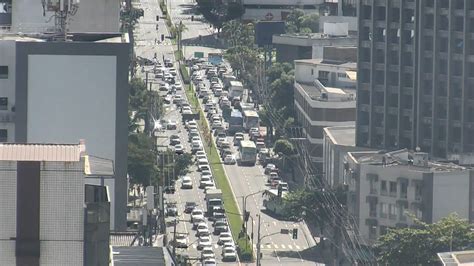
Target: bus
<point>248,152</point>
<point>251,119</point>
<point>235,122</point>
<point>272,202</point>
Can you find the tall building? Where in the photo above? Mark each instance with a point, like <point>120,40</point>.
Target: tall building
<point>49,215</point>
<point>416,76</point>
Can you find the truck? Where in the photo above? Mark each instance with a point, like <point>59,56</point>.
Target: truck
<point>248,152</point>
<point>236,122</point>
<point>251,119</point>
<point>236,89</point>
<point>226,79</point>
<point>213,200</point>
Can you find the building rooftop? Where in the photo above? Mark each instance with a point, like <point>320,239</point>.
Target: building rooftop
<point>315,36</point>
<point>319,92</point>
<point>341,135</point>
<point>456,258</point>
<point>318,61</point>
<point>76,37</point>
<point>41,152</point>
<point>417,161</point>
<point>138,256</point>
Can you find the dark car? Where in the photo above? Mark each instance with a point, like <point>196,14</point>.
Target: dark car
<point>170,189</point>
<point>189,207</point>
<point>171,209</point>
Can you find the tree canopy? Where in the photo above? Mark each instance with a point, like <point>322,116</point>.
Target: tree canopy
<point>420,244</point>
<point>217,15</point>
<point>284,146</point>
<point>141,160</point>
<point>299,22</point>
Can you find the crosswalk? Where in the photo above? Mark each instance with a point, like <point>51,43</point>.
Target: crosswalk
<point>278,247</point>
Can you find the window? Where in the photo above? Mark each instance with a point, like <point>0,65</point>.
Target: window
<point>383,230</point>
<point>393,189</point>
<point>383,210</point>
<point>372,209</point>
<point>372,232</point>
<point>312,72</point>
<point>418,191</point>
<point>392,211</point>
<point>403,190</point>
<point>341,75</point>
<point>3,103</point>
<point>3,72</point>
<point>3,135</point>
<point>383,187</point>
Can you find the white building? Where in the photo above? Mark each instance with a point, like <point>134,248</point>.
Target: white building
<point>58,92</point>
<point>384,187</point>
<point>48,213</point>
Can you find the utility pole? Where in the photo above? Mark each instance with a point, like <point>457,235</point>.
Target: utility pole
<point>174,237</point>
<point>258,242</point>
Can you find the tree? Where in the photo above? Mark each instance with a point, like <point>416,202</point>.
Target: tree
<point>419,245</point>
<point>311,22</point>
<point>293,21</point>
<point>218,14</point>
<point>298,22</point>
<point>284,146</point>
<point>141,160</point>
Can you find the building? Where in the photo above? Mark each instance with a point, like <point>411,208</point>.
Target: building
<point>457,258</point>
<point>58,92</point>
<point>50,216</point>
<point>337,142</point>
<point>279,9</point>
<point>290,47</point>
<point>416,76</point>
<point>27,16</point>
<point>324,96</point>
<point>384,187</point>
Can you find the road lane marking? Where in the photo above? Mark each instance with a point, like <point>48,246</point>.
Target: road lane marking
<point>275,246</point>
<point>274,223</point>
<point>282,246</point>
<point>269,246</point>
<point>297,247</point>
<point>290,247</point>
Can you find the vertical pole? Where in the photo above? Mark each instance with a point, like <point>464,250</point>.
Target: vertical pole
<point>150,231</point>
<point>146,79</point>
<point>174,238</point>
<point>258,242</point>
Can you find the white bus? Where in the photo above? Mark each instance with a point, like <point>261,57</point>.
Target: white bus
<point>251,119</point>
<point>248,152</point>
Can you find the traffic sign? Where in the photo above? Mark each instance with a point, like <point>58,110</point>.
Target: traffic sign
<point>269,16</point>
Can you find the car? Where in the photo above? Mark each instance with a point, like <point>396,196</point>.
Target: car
<point>225,144</point>
<point>260,145</point>
<point>224,152</point>
<point>274,182</point>
<point>216,124</point>
<point>206,189</point>
<point>200,153</point>
<point>177,86</point>
<point>174,139</point>
<point>207,253</point>
<point>204,241</point>
<point>164,86</point>
<point>218,92</point>
<point>270,168</point>
<point>181,241</point>
<point>186,110</point>
<point>209,262</point>
<point>197,221</point>
<point>202,161</point>
<point>170,189</point>
<point>171,125</point>
<point>205,167</point>
<point>206,181</point>
<point>196,146</point>
<point>201,157</point>
<point>219,141</point>
<point>283,186</point>
<point>230,159</point>
<point>168,99</point>
<point>171,209</point>
<point>192,126</point>
<point>192,133</point>
<point>191,123</point>
<point>197,214</point>
<point>272,175</point>
<point>228,244</point>
<point>225,237</point>
<point>229,254</point>
<point>173,72</point>
<point>189,206</point>
<point>202,230</point>
<point>220,226</point>
<point>186,183</point>
<point>218,213</point>
<point>179,149</point>
<point>177,98</point>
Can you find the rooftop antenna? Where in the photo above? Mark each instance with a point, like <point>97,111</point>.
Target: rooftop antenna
<point>63,11</point>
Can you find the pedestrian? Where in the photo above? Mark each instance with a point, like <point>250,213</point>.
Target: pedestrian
<point>156,26</point>
<point>155,40</point>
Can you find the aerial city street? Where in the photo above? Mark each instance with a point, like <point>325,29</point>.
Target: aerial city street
<point>250,132</point>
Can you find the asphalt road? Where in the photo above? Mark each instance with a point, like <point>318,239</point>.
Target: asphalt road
<point>277,249</point>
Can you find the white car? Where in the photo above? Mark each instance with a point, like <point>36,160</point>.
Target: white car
<point>225,237</point>
<point>186,183</point>
<point>177,98</point>
<point>204,241</point>
<point>189,123</point>
<point>201,162</point>
<point>225,144</point>
<point>186,109</point>
<point>197,214</point>
<point>207,253</point>
<point>173,72</point>
<point>229,254</point>
<point>216,124</point>
<point>206,189</point>
<point>230,159</point>
<point>196,146</point>
<point>201,157</point>
<point>202,229</point>
<point>171,124</point>
<point>177,86</point>
<point>229,245</point>
<point>181,241</point>
<point>219,141</point>
<point>179,149</point>
<point>206,181</point>
<point>200,153</point>
<point>209,262</point>
<point>205,167</point>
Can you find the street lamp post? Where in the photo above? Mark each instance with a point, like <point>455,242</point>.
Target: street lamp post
<point>244,201</point>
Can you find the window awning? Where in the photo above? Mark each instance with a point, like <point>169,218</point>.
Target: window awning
<point>352,75</point>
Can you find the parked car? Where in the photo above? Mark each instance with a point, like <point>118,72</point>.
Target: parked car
<point>225,237</point>
<point>187,183</point>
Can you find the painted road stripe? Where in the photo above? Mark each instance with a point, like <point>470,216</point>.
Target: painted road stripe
<point>297,247</point>
<point>275,246</point>
<point>254,246</point>
<point>282,246</point>
<point>290,247</point>
<point>269,246</point>
<point>216,246</point>
<point>194,246</point>
<point>275,223</point>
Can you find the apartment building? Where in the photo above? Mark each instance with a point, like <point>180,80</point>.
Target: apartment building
<point>416,76</point>
<point>384,187</point>
<point>324,96</point>
<point>49,215</point>
<point>58,92</point>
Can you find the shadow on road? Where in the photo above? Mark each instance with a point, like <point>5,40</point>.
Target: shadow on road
<point>309,254</point>
<point>210,40</point>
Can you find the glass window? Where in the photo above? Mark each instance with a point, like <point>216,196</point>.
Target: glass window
<point>3,103</point>
<point>3,72</point>
<point>3,135</point>
<point>393,189</point>
<point>383,187</point>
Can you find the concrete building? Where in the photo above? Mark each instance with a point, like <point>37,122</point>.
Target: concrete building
<point>49,215</point>
<point>457,258</point>
<point>290,47</point>
<point>337,142</point>
<point>384,187</point>
<point>416,76</point>
<point>58,92</point>
<point>324,96</point>
<point>27,16</point>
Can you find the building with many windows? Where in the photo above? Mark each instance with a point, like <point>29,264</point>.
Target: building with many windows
<point>384,187</point>
<point>416,76</point>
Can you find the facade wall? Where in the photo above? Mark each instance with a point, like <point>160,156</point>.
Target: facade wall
<point>289,53</point>
<point>307,73</point>
<point>8,214</point>
<point>451,195</point>
<point>7,85</point>
<point>351,21</point>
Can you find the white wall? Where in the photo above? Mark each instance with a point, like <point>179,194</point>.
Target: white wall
<point>8,213</point>
<point>303,74</point>
<point>450,194</point>
<point>72,98</point>
<point>110,184</point>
